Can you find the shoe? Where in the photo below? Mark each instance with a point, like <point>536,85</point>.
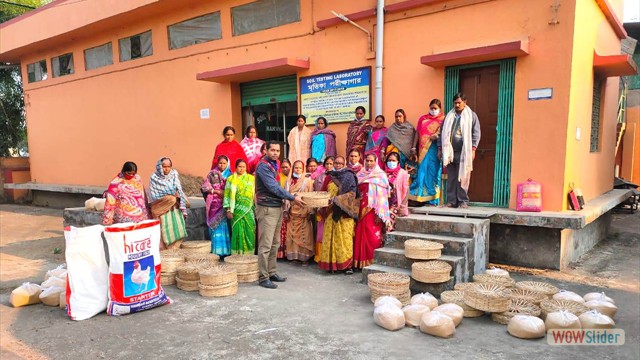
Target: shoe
<point>464,206</point>
<point>277,278</point>
<point>268,284</point>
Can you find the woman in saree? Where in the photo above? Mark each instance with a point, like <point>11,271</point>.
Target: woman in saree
<point>285,171</point>
<point>374,216</point>
<point>400,136</point>
<point>252,147</point>
<point>323,140</point>
<point>230,148</point>
<point>320,184</point>
<point>313,169</point>
<point>299,242</point>
<point>357,132</point>
<point>354,164</point>
<point>425,182</point>
<point>125,197</point>
<point>377,139</point>
<point>339,224</point>
<point>239,206</point>
<point>399,182</point>
<point>213,192</point>
<point>165,194</point>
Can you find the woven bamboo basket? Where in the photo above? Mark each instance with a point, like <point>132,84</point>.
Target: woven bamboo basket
<point>167,279</point>
<point>527,295</point>
<point>457,297</point>
<point>187,285</point>
<point>190,271</point>
<point>244,264</point>
<point>249,277</point>
<point>218,275</point>
<point>171,260</point>
<point>196,246</point>
<point>218,290</point>
<point>538,286</point>
<point>392,284</point>
<point>516,307</point>
<point>487,297</point>
<point>316,199</point>
<point>548,306</point>
<point>494,279</point>
<point>422,249</point>
<point>463,286</point>
<point>431,272</point>
<point>212,258</point>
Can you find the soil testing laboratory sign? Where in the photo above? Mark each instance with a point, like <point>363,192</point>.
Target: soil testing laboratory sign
<point>335,95</point>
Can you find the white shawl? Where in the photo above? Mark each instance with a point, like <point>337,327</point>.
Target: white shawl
<point>299,144</point>
<point>466,157</point>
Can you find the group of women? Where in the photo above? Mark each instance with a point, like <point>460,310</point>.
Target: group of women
<point>368,189</point>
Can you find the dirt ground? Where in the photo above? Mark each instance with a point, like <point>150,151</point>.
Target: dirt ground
<point>313,315</point>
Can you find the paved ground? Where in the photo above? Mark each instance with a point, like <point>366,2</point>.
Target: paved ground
<point>313,315</point>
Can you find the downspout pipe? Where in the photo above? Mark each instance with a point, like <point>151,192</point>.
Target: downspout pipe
<point>379,49</point>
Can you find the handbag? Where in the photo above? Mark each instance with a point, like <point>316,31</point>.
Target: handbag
<point>172,227</point>
<point>576,200</point>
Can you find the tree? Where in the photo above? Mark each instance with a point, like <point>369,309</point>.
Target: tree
<point>13,132</point>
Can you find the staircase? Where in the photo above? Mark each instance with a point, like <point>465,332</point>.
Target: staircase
<point>465,241</point>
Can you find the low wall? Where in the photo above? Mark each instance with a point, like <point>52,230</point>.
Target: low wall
<point>14,170</point>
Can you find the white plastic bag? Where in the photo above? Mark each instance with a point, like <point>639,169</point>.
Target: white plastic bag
<point>598,296</point>
<point>54,281</point>
<point>425,299</point>
<point>389,317</point>
<point>498,272</point>
<point>413,313</point>
<point>568,296</point>
<point>437,324</point>
<point>387,300</point>
<point>526,327</point>
<point>592,319</point>
<point>562,320</point>
<point>603,307</point>
<point>134,267</point>
<point>455,312</point>
<point>51,295</point>
<point>60,272</point>
<point>87,272</point>
<point>25,294</point>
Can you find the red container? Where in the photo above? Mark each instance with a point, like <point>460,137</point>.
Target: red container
<point>529,196</point>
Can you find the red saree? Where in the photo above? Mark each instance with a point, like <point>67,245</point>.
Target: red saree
<point>232,150</point>
<point>368,232</point>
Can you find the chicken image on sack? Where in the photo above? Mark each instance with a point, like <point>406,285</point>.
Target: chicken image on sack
<point>134,268</point>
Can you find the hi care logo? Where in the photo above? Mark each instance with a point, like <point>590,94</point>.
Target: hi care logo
<point>586,337</point>
<point>136,246</point>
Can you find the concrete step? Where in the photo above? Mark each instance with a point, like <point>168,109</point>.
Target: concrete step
<point>453,245</point>
<point>395,258</point>
<point>438,225</point>
<point>415,286</point>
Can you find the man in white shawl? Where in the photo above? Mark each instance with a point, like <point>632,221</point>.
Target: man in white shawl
<point>457,147</point>
<point>299,140</point>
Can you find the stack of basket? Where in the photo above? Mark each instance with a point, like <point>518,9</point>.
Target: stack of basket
<point>196,247</point>
<point>429,272</point>
<point>217,281</point>
<point>246,266</point>
<point>196,256</point>
<point>391,284</point>
<point>188,276</point>
<point>487,297</point>
<point>170,260</point>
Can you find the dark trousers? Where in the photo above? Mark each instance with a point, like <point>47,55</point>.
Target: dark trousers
<point>456,195</point>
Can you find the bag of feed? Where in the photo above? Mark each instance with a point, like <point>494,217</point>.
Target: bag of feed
<point>592,319</point>
<point>389,317</point>
<point>425,299</point>
<point>562,320</point>
<point>526,327</point>
<point>455,312</point>
<point>413,313</point>
<point>437,324</point>
<point>568,295</point>
<point>25,294</point>
<point>387,300</point>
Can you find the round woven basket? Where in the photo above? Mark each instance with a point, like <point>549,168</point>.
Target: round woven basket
<point>516,307</point>
<point>392,284</point>
<point>538,286</point>
<point>218,290</point>
<point>189,271</point>
<point>244,264</point>
<point>316,199</point>
<point>431,272</point>
<point>422,249</point>
<point>487,297</point>
<point>494,279</point>
<point>462,286</point>
<point>171,260</point>
<point>527,295</point>
<point>548,306</point>
<point>167,279</point>
<point>212,258</point>
<point>196,246</point>
<point>457,297</point>
<point>187,285</point>
<point>218,275</point>
<point>249,277</point>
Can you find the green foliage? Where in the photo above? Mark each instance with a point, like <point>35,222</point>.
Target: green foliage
<point>10,8</point>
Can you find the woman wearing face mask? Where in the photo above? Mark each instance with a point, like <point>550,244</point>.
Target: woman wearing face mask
<point>285,171</point>
<point>230,148</point>
<point>165,194</point>
<point>320,184</point>
<point>125,197</point>
<point>377,139</point>
<point>213,192</point>
<point>399,181</point>
<point>252,147</point>
<point>239,207</point>
<point>401,138</point>
<point>299,244</point>
<point>374,216</point>
<point>354,162</point>
<point>323,140</point>
<point>425,185</point>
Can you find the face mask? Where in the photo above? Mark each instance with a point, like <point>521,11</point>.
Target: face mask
<point>295,176</point>
<point>392,164</point>
<point>128,177</point>
<point>434,112</point>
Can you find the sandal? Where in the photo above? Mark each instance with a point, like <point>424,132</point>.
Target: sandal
<point>349,272</point>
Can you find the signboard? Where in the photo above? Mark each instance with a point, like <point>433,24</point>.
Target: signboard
<point>335,95</point>
<point>540,94</point>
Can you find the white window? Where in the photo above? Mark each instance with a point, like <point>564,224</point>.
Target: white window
<point>136,46</point>
<point>98,56</point>
<point>264,14</point>
<point>198,30</point>
<point>37,71</point>
<point>62,65</point>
